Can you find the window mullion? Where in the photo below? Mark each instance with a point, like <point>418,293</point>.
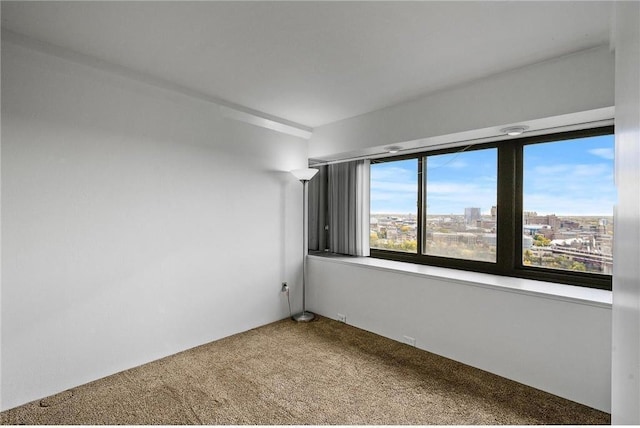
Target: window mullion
<point>518,180</point>
<point>507,232</point>
<point>421,211</point>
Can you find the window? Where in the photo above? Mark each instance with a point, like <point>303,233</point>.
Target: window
<point>460,196</point>
<point>568,199</point>
<point>536,207</point>
<point>394,206</point>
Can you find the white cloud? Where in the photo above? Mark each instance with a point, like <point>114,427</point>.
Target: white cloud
<point>604,152</point>
<point>566,177</point>
<point>570,189</point>
<point>444,163</point>
<point>583,204</point>
<point>397,187</point>
<point>552,169</point>
<point>393,190</point>
<point>393,174</point>
<point>562,188</point>
<point>452,198</point>
<point>448,188</point>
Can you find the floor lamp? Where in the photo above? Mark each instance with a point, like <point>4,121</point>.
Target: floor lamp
<point>304,175</point>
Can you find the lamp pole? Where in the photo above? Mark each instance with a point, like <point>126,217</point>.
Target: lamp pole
<point>304,176</point>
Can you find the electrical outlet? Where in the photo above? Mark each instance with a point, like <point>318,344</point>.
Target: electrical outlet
<point>342,318</point>
<point>409,340</point>
<point>284,288</point>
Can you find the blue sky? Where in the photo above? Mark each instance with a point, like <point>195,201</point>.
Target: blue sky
<point>575,177</point>
<point>569,178</point>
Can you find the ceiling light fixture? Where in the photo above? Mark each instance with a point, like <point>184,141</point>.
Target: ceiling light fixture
<point>514,130</point>
<point>393,149</point>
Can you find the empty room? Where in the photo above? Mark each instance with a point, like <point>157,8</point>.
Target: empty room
<point>320,213</point>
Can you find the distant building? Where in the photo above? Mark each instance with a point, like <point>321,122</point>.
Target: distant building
<point>538,229</point>
<point>527,242</point>
<point>569,224</point>
<point>528,215</point>
<point>471,215</point>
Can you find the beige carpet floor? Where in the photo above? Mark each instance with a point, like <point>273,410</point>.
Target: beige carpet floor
<point>323,372</point>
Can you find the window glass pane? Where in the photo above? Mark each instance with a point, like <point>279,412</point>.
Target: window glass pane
<point>568,200</point>
<point>461,214</point>
<point>394,202</point>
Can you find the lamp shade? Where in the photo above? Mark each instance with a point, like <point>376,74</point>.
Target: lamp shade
<point>305,173</point>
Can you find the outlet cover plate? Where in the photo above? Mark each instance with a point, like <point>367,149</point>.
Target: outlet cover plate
<point>409,340</point>
<point>342,318</point>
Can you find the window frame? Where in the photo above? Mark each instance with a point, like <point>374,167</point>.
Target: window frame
<point>509,253</point>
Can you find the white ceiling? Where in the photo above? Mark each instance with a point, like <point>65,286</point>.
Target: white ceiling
<point>313,63</point>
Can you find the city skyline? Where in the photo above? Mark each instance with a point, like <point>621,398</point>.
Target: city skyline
<point>573,177</point>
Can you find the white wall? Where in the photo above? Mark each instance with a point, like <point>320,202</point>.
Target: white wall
<point>555,345</point>
<point>626,273</point>
<point>576,83</point>
<point>136,223</point>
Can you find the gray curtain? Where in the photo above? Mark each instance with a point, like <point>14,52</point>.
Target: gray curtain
<point>348,207</point>
<point>339,209</point>
<point>318,205</point>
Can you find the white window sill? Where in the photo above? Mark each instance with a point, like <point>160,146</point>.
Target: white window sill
<point>571,293</point>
